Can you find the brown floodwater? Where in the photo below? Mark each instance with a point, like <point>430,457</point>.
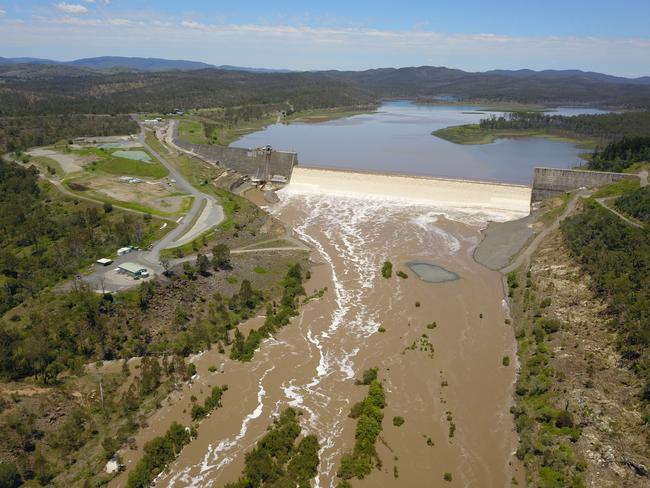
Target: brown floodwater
<point>312,363</point>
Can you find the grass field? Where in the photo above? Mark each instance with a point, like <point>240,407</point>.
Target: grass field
<point>128,167</point>
<point>618,188</point>
<point>48,165</point>
<point>191,131</point>
<point>471,134</point>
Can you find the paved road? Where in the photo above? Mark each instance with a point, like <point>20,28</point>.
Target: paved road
<point>193,222</point>
<point>204,214</point>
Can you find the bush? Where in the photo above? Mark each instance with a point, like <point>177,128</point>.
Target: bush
<point>387,269</point>
<point>9,476</point>
<point>447,476</point>
<point>210,403</point>
<point>402,274</point>
<point>398,421</point>
<point>505,361</point>
<point>360,461</point>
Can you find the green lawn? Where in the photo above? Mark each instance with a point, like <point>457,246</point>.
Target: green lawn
<point>191,131</point>
<point>128,167</point>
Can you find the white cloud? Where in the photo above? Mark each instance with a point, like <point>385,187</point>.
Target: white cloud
<point>119,22</point>
<point>299,46</point>
<point>71,8</point>
<point>2,12</point>
<point>190,24</point>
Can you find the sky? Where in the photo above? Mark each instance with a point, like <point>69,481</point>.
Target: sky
<point>609,36</point>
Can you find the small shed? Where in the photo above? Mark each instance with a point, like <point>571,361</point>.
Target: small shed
<point>123,250</point>
<point>104,261</point>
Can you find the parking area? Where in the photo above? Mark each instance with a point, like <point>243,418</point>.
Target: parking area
<point>111,278</point>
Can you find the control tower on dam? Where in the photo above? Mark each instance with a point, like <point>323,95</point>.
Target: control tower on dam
<point>260,164</point>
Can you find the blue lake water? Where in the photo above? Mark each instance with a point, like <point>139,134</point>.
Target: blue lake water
<point>397,138</point>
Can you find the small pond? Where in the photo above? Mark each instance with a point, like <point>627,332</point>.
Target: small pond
<point>432,273</point>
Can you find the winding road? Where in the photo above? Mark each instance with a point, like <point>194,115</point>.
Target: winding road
<point>204,214</point>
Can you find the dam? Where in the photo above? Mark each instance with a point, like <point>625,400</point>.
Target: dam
<point>552,182</point>
<point>260,164</point>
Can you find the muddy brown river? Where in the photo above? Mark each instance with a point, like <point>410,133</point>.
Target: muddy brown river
<point>312,363</point>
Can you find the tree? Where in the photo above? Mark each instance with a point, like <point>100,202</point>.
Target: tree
<point>108,207</point>
<point>203,264</point>
<point>221,257</point>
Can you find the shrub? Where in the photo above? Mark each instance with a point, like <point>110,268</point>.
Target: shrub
<point>506,361</point>
<point>402,274</point>
<point>387,269</point>
<point>447,476</point>
<point>398,421</point>
<point>9,476</point>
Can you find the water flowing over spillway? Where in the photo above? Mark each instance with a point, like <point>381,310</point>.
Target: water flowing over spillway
<point>312,363</point>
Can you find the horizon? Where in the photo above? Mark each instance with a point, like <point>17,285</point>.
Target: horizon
<point>288,70</point>
<point>608,38</point>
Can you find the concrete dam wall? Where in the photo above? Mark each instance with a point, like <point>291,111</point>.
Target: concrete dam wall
<point>250,162</point>
<point>551,182</point>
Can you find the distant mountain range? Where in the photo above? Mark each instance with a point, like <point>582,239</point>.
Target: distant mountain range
<point>126,85</point>
<point>119,63</point>
<point>424,73</point>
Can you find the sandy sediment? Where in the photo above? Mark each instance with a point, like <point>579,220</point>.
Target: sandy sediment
<point>459,194</point>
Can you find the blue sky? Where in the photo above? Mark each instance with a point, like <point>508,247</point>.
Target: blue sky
<point>600,35</point>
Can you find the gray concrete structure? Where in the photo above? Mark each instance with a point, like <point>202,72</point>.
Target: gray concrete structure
<point>551,182</point>
<point>251,162</point>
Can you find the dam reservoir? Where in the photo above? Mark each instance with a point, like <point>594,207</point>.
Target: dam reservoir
<point>397,139</point>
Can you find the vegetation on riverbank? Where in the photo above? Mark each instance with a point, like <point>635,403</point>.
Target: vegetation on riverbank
<point>586,131</point>
<point>279,458</point>
<point>581,323</point>
<point>277,316</point>
<point>369,415</point>
<point>211,402</point>
<point>63,435</point>
<point>158,453</point>
<point>616,256</point>
<point>620,155</point>
<point>223,126</point>
<point>472,134</point>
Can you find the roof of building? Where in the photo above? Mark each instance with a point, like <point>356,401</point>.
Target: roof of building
<point>132,267</point>
<point>104,261</point>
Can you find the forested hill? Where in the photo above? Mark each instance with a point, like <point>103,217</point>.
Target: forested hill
<point>525,86</point>
<point>45,89</point>
<point>36,90</point>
